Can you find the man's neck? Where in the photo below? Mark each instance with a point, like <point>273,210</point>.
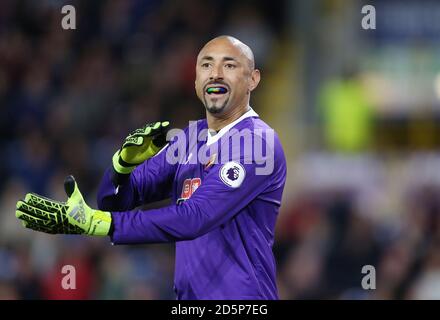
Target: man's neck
<point>218,122</point>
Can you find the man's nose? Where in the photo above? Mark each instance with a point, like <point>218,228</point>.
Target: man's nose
<point>216,73</point>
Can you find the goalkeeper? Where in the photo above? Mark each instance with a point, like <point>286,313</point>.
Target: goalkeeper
<point>224,215</point>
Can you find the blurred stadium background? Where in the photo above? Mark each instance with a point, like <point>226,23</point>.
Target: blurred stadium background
<point>357,112</point>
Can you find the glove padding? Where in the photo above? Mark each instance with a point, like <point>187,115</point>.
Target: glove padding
<point>140,145</point>
<point>54,217</point>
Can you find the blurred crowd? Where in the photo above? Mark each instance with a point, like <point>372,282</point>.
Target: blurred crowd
<point>69,97</point>
<point>355,211</point>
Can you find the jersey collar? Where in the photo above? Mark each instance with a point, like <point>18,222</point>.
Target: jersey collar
<point>214,137</point>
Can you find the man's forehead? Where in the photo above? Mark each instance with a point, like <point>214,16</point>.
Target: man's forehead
<point>219,49</point>
<point>226,46</point>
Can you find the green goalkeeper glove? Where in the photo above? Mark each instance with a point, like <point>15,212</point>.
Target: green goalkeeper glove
<point>72,217</point>
<point>140,145</point>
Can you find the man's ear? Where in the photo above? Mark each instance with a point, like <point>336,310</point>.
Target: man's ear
<point>255,79</point>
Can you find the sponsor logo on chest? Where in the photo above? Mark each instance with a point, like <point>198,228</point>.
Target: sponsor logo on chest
<point>189,187</point>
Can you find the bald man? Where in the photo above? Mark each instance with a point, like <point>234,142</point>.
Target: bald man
<point>228,63</point>
<point>226,188</point>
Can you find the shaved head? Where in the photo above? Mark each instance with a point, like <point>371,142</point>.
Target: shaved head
<point>244,48</point>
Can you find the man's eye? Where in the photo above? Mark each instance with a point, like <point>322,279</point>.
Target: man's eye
<point>205,65</point>
<point>230,66</point>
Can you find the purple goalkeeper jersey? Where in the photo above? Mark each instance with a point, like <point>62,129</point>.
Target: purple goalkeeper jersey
<point>226,190</point>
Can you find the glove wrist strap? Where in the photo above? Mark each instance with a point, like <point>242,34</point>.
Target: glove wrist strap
<point>100,224</point>
<point>120,168</point>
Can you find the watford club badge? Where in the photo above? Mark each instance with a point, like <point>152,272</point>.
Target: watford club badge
<point>210,162</point>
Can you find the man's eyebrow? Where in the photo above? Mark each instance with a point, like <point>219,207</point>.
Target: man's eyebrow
<point>209,58</point>
<point>229,59</point>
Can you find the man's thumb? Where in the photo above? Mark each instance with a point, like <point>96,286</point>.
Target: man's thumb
<point>69,185</point>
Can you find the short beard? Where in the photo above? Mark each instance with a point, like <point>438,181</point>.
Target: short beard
<point>213,109</point>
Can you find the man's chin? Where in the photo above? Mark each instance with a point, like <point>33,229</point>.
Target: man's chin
<point>215,109</point>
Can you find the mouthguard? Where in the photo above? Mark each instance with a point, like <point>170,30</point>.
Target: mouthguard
<point>216,90</point>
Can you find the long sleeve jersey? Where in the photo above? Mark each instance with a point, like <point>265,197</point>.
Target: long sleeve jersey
<point>226,190</point>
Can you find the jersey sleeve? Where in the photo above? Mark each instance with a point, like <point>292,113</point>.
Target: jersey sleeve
<point>225,191</point>
<point>150,181</point>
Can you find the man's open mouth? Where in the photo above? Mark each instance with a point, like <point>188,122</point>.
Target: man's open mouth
<point>216,89</point>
